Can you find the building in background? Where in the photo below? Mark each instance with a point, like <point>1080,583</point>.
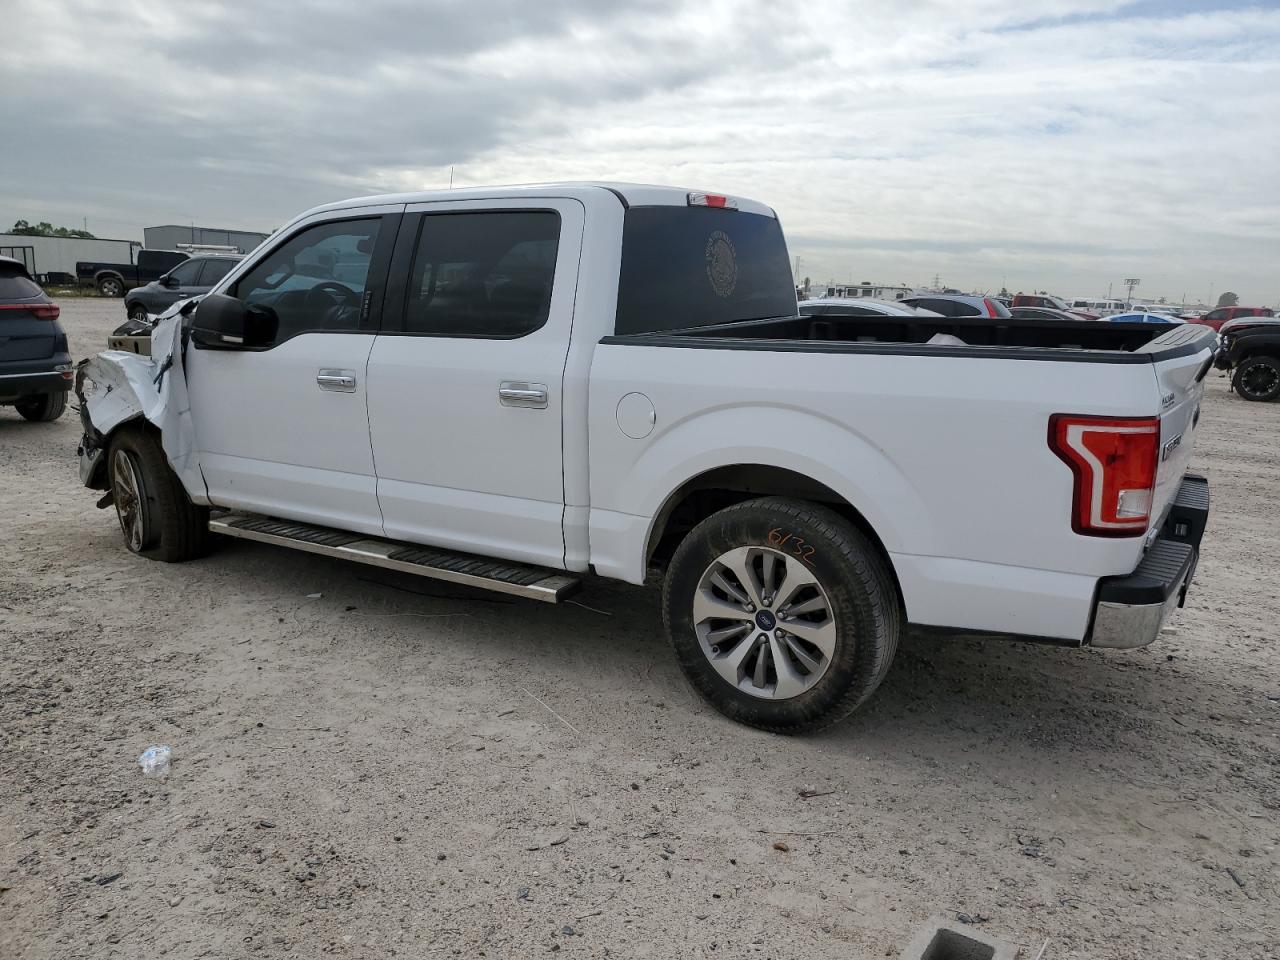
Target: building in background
<point>53,259</point>
<point>192,239</point>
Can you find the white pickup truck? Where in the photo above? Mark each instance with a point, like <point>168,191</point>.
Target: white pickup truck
<point>512,387</point>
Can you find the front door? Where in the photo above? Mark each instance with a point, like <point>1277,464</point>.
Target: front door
<point>465,381</point>
<point>284,430</point>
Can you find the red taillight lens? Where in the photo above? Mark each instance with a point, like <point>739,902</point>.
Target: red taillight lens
<point>712,200</point>
<point>991,308</point>
<point>41,311</point>
<point>1114,461</point>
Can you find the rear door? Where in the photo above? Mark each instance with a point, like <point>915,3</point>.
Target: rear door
<point>466,378</point>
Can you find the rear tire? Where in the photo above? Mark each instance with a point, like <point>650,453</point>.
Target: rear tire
<point>1258,378</point>
<point>138,312</point>
<point>814,578</point>
<point>44,408</point>
<point>156,516</point>
<point>111,287</point>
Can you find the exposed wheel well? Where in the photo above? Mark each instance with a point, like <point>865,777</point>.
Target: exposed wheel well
<point>698,498</point>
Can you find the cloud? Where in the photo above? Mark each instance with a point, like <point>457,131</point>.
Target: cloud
<point>1059,145</point>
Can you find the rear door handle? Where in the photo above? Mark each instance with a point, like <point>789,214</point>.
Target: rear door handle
<point>336,381</point>
<point>518,393</point>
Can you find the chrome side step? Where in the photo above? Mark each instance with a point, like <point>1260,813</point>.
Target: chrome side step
<point>534,583</point>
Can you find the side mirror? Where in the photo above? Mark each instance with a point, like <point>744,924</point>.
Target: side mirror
<point>225,323</point>
<point>168,281</point>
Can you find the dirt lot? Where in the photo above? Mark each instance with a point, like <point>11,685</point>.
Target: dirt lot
<point>402,768</point>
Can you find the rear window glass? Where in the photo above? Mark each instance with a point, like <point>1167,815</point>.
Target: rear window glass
<point>698,266</point>
<point>14,286</point>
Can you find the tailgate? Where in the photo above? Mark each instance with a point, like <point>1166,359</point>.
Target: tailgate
<point>1184,356</point>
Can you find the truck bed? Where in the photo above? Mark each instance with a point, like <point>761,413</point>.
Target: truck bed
<point>1082,341</point>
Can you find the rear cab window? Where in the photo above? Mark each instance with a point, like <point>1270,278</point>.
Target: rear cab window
<point>686,267</point>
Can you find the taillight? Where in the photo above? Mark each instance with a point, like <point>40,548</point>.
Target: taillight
<point>991,308</point>
<point>1114,461</point>
<point>41,311</point>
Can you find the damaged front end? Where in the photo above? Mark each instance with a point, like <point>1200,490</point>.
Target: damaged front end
<point>116,387</point>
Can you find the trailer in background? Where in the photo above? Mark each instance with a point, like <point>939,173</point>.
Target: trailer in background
<point>53,259</point>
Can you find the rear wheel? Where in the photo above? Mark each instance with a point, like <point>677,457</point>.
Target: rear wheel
<point>46,407</point>
<point>138,312</point>
<point>782,614</point>
<point>111,287</point>
<point>156,516</point>
<point>1258,378</point>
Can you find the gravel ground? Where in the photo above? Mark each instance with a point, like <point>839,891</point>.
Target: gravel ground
<point>408,768</point>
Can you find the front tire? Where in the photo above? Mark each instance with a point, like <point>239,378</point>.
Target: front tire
<point>783,615</point>
<point>111,287</point>
<point>44,408</point>
<point>1258,378</point>
<point>137,312</point>
<point>156,516</point>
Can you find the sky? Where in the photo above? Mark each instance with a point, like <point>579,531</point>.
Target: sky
<point>1060,145</point>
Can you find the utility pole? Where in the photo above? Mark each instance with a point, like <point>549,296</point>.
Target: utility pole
<point>451,176</point>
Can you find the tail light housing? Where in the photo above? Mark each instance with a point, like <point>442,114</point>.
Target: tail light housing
<point>41,311</point>
<point>991,308</point>
<point>1114,461</point>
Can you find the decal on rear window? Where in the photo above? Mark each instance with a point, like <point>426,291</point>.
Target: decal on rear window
<point>722,264</point>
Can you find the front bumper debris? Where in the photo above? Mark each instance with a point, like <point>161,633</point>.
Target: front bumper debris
<point>1130,610</point>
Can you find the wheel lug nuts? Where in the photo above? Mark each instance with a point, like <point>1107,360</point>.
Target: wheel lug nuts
<point>762,638</point>
<point>751,608</point>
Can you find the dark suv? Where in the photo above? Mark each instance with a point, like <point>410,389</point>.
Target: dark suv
<point>35,365</point>
<point>188,279</point>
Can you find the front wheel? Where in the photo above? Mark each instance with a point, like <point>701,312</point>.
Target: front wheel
<point>44,408</point>
<point>138,312</point>
<point>782,614</point>
<point>1258,378</point>
<point>156,516</point>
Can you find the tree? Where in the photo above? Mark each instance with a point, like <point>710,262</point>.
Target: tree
<point>46,229</point>
<point>1228,299</point>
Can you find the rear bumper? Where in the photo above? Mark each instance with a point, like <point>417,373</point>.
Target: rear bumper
<point>14,386</point>
<point>1130,610</point>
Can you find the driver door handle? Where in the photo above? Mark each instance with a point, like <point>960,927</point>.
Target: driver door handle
<point>336,381</point>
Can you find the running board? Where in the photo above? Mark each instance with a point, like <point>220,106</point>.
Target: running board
<point>534,583</point>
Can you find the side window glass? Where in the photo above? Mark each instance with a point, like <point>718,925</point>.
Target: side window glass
<point>316,279</point>
<point>215,270</point>
<point>186,273</point>
<point>482,274</point>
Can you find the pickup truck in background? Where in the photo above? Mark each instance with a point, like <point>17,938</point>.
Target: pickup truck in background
<point>515,387</point>
<point>113,279</point>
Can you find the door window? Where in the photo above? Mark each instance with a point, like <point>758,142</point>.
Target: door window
<point>485,275</point>
<point>315,280</point>
<point>185,273</point>
<point>215,270</point>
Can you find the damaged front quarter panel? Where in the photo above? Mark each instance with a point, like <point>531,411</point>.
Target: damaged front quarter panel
<point>115,388</point>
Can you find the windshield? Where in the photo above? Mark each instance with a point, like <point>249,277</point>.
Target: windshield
<point>696,266</point>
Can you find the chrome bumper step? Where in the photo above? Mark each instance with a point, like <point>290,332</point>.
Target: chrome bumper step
<point>516,579</point>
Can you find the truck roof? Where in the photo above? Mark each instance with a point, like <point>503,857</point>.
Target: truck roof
<point>629,194</point>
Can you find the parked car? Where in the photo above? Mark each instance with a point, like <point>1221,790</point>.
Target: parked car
<point>862,307</point>
<point>1216,318</point>
<point>1044,313</point>
<point>955,305</point>
<point>189,278</point>
<point>1250,350</point>
<point>614,378</point>
<point>113,279</point>
<point>35,365</point>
